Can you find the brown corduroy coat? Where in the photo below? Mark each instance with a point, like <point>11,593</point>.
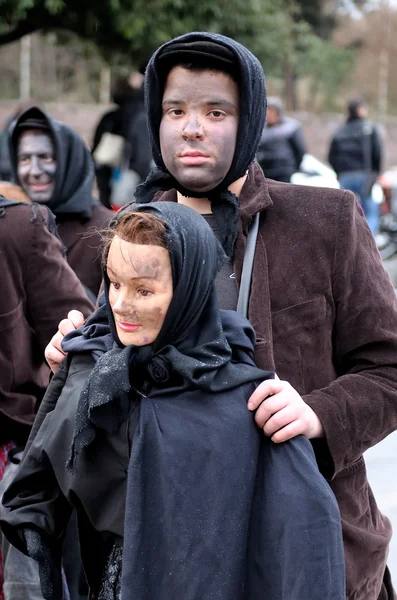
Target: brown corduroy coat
<point>37,289</point>
<point>82,241</point>
<point>325,315</point>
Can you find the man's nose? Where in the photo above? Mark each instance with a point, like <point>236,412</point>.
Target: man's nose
<point>36,168</point>
<point>193,128</point>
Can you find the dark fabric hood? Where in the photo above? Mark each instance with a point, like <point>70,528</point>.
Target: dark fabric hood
<point>222,53</point>
<point>75,168</point>
<point>249,74</point>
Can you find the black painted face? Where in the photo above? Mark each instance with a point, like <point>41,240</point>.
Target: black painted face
<point>37,165</point>
<point>199,125</point>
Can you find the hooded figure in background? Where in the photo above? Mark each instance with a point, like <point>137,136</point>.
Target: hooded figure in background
<point>54,167</point>
<point>128,120</point>
<point>282,146</point>
<point>195,502</point>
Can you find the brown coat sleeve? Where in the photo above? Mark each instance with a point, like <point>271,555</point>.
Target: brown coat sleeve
<point>52,288</point>
<point>359,408</point>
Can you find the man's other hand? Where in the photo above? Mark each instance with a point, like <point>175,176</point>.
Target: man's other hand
<point>53,353</point>
<point>282,413</point>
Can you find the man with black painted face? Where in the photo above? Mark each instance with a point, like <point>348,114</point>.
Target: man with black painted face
<point>199,126</point>
<point>54,167</point>
<point>321,303</point>
<point>37,165</point>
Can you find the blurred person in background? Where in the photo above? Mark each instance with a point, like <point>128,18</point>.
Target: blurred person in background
<point>127,121</point>
<point>37,287</point>
<point>282,145</point>
<point>54,167</point>
<point>355,154</point>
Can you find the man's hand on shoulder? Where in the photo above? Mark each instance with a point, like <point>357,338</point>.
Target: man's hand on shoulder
<point>53,353</point>
<point>282,413</point>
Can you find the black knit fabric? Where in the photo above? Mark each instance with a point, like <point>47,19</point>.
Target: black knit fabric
<point>220,52</point>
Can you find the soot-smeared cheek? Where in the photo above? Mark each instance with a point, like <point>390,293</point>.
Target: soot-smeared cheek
<point>152,318</point>
<point>50,170</point>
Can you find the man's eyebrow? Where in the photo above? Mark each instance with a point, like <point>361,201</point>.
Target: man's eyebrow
<point>224,103</point>
<point>39,153</point>
<point>171,102</point>
<point>214,102</point>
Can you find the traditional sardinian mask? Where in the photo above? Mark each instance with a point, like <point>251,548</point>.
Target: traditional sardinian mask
<point>140,290</point>
<point>36,165</point>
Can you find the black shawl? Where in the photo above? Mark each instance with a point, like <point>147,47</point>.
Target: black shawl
<point>191,351</point>
<point>75,168</point>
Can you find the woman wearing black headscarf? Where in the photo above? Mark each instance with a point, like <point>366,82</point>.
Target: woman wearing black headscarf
<point>178,495</point>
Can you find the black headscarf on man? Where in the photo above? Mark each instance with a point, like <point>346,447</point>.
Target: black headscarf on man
<point>192,350</point>
<point>75,172</point>
<point>224,54</point>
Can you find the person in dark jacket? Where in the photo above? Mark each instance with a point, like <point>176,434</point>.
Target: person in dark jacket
<point>54,167</point>
<point>37,287</point>
<point>210,508</point>
<point>321,303</point>
<point>128,120</point>
<point>355,154</point>
<point>282,145</point>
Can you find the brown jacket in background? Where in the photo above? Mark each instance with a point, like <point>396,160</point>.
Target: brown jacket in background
<point>37,289</point>
<point>83,241</point>
<point>325,315</point>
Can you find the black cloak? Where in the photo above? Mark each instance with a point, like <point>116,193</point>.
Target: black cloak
<point>75,172</point>
<point>213,509</point>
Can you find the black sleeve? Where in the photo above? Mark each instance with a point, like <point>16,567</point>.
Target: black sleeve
<point>141,155</point>
<point>49,400</point>
<point>298,145</point>
<point>332,154</point>
<point>35,500</point>
<point>50,564</point>
<point>376,151</point>
<point>104,125</point>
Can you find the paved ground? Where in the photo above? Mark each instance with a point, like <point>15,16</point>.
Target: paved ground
<point>382,467</point>
<point>382,473</point>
